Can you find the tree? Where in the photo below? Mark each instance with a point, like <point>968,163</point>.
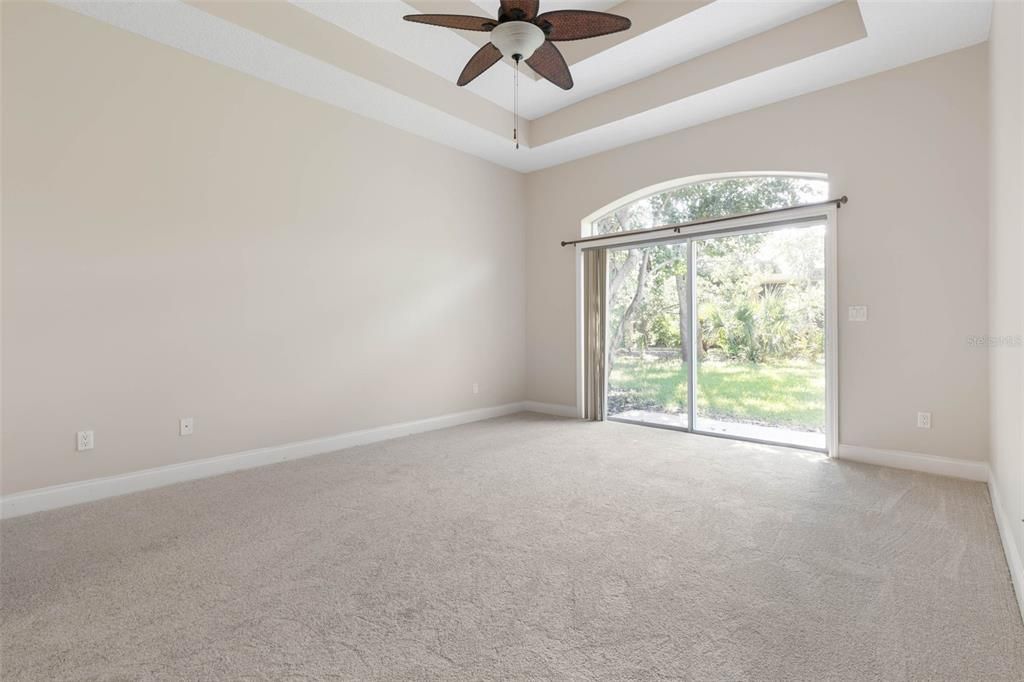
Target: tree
<point>634,303</point>
<point>633,272</point>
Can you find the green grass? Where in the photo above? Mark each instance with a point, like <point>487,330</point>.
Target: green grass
<point>789,394</point>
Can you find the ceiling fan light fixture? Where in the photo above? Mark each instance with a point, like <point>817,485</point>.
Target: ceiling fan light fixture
<point>522,34</point>
<point>517,38</point>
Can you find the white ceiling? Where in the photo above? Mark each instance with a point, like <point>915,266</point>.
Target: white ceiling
<point>445,52</point>
<point>616,98</point>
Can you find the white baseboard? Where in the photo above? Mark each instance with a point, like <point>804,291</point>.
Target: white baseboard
<point>552,408</point>
<point>915,461</point>
<point>1013,555</point>
<point>68,494</point>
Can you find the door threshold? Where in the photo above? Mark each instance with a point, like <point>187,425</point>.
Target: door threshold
<point>714,434</point>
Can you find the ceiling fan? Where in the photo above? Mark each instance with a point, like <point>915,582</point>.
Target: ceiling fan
<point>521,34</point>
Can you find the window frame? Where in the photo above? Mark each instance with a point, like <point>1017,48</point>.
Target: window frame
<point>743,224</point>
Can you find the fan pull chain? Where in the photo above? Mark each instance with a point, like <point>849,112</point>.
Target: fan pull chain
<point>515,104</point>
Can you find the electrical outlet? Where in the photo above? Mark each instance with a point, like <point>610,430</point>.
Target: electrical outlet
<point>86,440</point>
<point>476,388</point>
<point>185,426</point>
<point>858,313</point>
<point>924,420</point>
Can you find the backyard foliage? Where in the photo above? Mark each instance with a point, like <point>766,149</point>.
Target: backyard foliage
<point>759,295</point>
<point>786,394</point>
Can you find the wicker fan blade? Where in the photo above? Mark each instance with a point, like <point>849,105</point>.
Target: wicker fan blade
<point>486,57</point>
<point>576,24</point>
<point>460,21</point>
<point>549,62</point>
<point>520,10</point>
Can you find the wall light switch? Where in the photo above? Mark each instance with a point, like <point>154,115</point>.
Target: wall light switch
<point>924,420</point>
<point>858,313</point>
<point>86,440</point>
<point>185,426</point>
<point>476,388</point>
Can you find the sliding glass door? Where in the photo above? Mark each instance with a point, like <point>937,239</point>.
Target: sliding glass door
<point>722,333</point>
<point>648,335</point>
<point>760,301</point>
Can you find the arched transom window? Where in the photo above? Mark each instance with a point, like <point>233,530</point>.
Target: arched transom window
<point>710,197</point>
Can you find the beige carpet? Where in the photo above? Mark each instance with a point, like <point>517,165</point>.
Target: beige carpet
<point>526,547</point>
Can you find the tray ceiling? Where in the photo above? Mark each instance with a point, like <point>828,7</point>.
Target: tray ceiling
<point>683,63</point>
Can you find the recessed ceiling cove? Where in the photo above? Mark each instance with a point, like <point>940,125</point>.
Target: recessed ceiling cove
<point>680,64</point>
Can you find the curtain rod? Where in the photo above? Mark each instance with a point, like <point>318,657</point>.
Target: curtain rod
<point>676,228</point>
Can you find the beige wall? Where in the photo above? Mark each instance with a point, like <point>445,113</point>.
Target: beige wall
<point>1006,254</point>
<point>910,148</point>
<point>183,240</point>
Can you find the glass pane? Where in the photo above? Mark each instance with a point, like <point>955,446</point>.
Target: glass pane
<point>712,199</point>
<point>647,334</point>
<point>761,355</point>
